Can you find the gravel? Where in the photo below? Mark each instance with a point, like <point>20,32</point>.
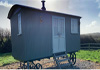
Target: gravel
<point>80,64</point>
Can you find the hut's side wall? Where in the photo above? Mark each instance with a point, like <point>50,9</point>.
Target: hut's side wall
<point>72,40</point>
<point>18,47</point>
<point>37,34</point>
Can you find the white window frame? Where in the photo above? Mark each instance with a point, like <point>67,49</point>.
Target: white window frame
<point>19,24</point>
<point>74,26</point>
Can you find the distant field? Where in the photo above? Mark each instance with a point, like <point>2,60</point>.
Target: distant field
<point>91,55</point>
<point>6,58</point>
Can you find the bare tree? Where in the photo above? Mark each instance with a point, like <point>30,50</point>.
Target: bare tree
<point>5,41</point>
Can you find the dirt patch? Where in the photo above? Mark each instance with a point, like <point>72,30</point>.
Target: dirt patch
<point>80,64</point>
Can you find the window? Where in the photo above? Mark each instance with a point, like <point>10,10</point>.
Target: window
<point>19,24</point>
<point>74,25</point>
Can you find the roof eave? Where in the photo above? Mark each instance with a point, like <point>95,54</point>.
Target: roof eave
<point>16,6</point>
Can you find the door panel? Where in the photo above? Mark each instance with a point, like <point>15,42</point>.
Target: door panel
<point>58,32</point>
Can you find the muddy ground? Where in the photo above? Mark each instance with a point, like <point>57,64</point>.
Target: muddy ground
<point>80,64</point>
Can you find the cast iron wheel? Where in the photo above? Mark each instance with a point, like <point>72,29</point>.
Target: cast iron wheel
<point>32,65</point>
<point>38,66</point>
<point>21,65</point>
<point>73,58</point>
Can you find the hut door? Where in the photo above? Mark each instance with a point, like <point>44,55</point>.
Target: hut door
<point>58,32</point>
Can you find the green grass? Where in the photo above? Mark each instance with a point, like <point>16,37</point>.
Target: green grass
<point>6,58</point>
<point>91,55</point>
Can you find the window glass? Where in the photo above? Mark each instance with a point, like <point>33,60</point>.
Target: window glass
<point>74,25</point>
<point>56,27</point>
<point>19,24</point>
<point>61,27</point>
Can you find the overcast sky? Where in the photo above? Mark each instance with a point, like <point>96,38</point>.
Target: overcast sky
<point>89,10</point>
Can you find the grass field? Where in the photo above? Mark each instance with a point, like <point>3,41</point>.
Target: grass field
<point>6,58</point>
<point>92,55</point>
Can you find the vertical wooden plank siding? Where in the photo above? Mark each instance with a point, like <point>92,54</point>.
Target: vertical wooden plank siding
<point>36,39</point>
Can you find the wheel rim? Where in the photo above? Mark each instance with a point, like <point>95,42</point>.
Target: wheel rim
<point>32,65</point>
<point>38,66</point>
<point>73,58</point>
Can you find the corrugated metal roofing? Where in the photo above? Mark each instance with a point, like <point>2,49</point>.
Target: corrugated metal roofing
<point>17,6</point>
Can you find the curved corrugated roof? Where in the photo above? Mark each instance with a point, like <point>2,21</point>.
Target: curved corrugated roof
<point>14,7</point>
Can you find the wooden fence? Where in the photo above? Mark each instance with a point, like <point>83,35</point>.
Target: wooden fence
<point>90,46</point>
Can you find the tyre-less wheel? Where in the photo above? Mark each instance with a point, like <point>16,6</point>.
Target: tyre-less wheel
<point>32,65</point>
<point>38,66</point>
<point>73,58</point>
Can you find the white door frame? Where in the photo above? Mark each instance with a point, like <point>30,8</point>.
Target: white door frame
<point>53,33</point>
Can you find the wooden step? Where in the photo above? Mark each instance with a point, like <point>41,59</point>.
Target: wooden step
<point>60,57</point>
<point>62,60</point>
